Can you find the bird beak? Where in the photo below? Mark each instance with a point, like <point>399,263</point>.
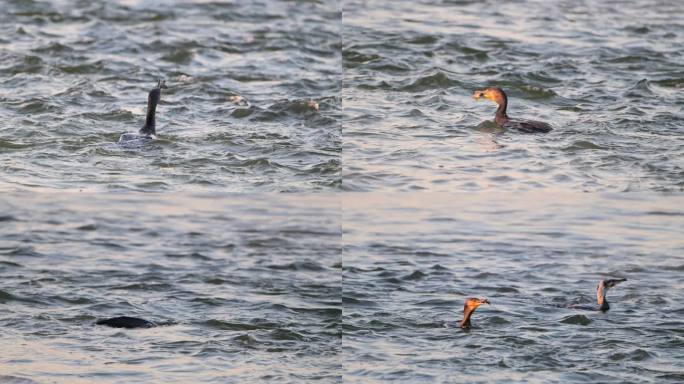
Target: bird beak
<point>484,301</point>
<point>478,94</point>
<point>613,282</point>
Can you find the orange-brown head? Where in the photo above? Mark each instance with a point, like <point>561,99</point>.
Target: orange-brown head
<point>469,307</point>
<point>474,302</point>
<point>494,94</point>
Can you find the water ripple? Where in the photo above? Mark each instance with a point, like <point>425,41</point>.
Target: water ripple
<point>614,87</point>
<point>73,78</point>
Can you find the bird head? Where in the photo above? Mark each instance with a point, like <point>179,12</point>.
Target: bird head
<point>494,94</point>
<point>474,302</point>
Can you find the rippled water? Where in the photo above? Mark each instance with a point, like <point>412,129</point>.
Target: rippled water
<point>343,98</point>
<point>410,260</point>
<point>606,74</point>
<point>252,287</point>
<point>74,76</point>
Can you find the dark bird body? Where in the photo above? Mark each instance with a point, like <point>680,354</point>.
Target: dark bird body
<point>126,322</point>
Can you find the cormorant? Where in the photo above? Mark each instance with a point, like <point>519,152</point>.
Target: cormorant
<point>148,130</point>
<point>501,118</point>
<point>468,308</point>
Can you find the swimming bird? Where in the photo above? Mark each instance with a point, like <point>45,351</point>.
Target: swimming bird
<point>469,307</point>
<point>148,130</point>
<point>501,118</point>
<point>601,291</point>
<point>126,322</point>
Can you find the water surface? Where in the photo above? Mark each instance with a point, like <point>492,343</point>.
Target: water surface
<point>606,74</point>
<point>410,260</point>
<point>251,288</point>
<point>74,76</point>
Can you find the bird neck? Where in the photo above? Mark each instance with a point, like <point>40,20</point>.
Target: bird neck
<point>501,116</point>
<point>150,122</point>
<point>601,298</point>
<point>467,312</point>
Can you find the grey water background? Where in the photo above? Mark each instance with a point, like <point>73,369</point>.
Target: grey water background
<point>606,74</point>
<point>74,76</point>
<point>411,259</point>
<point>252,287</point>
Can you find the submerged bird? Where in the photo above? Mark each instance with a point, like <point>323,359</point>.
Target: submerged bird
<point>148,130</point>
<point>601,291</point>
<point>498,96</point>
<point>468,308</point>
<point>126,322</point>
